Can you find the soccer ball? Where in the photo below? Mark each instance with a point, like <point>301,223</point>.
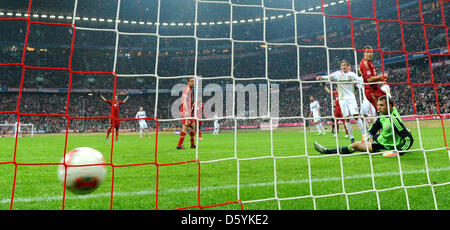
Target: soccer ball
<point>82,179</point>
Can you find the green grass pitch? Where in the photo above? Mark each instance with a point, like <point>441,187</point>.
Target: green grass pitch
<point>241,166</point>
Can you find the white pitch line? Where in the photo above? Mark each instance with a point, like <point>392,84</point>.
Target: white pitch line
<point>194,189</point>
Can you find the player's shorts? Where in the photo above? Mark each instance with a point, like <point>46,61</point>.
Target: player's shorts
<point>337,111</point>
<point>348,107</point>
<point>368,109</point>
<point>216,125</point>
<point>200,123</point>
<point>370,94</point>
<point>187,122</point>
<point>143,124</point>
<point>115,124</point>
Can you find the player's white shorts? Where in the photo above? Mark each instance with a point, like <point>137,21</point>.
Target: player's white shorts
<point>216,125</point>
<point>348,107</point>
<point>142,124</point>
<point>368,109</point>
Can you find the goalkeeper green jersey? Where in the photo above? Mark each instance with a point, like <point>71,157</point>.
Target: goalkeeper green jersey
<point>403,138</point>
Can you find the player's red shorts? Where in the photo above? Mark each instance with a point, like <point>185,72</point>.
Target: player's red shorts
<point>200,123</point>
<point>370,94</point>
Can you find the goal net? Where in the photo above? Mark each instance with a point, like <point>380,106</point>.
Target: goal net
<point>255,64</point>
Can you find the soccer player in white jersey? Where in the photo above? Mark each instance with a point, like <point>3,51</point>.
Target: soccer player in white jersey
<point>216,125</point>
<point>314,107</point>
<point>346,90</point>
<point>142,123</point>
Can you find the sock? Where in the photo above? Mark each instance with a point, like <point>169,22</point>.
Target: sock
<point>199,133</point>
<point>117,133</point>
<point>192,134</point>
<point>140,133</point>
<point>349,128</point>
<point>361,126</point>
<point>181,140</point>
<point>346,131</point>
<point>322,128</point>
<point>366,125</point>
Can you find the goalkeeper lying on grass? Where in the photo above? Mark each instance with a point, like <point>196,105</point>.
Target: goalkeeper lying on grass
<point>383,141</point>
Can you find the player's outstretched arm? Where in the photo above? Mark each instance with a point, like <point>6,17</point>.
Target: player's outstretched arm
<point>102,97</point>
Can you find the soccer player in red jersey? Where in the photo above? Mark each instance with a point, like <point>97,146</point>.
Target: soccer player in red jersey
<point>369,75</point>
<point>187,110</point>
<point>337,112</point>
<point>114,123</point>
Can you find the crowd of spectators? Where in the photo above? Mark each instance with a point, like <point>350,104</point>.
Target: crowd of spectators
<point>143,72</point>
